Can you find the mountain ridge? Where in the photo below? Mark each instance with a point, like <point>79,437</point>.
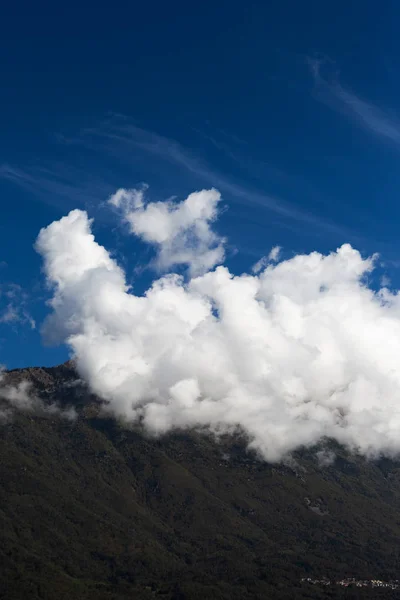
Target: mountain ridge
<point>94,509</point>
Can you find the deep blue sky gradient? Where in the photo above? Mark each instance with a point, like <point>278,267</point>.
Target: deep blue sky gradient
<point>290,108</point>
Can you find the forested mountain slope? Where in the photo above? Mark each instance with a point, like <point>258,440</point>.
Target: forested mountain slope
<point>92,510</point>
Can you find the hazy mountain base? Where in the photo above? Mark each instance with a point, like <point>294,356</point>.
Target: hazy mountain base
<point>90,510</point>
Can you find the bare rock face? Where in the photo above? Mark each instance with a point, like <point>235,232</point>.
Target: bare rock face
<point>44,379</point>
<point>60,385</point>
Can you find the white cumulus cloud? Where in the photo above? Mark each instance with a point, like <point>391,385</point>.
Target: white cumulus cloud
<point>302,351</point>
<point>181,231</point>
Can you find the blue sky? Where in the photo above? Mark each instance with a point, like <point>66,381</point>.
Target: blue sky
<point>290,109</point>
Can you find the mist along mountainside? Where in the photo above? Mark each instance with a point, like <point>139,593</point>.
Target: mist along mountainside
<point>91,509</point>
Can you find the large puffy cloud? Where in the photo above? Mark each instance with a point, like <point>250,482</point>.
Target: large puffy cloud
<point>181,231</point>
<point>301,351</point>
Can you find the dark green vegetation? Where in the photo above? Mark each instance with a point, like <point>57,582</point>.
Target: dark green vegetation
<point>90,510</point>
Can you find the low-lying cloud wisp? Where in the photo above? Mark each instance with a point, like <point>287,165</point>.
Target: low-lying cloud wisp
<point>21,397</point>
<point>300,351</point>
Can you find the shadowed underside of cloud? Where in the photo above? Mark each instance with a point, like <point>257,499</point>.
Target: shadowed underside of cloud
<point>300,351</point>
<point>372,118</point>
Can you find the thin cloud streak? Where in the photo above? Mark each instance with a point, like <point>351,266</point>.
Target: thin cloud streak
<point>343,100</point>
<point>14,306</point>
<point>58,186</point>
<point>119,140</point>
<point>121,137</point>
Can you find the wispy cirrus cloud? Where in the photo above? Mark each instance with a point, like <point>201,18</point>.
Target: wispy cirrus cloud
<point>118,143</point>
<point>14,306</point>
<point>264,261</point>
<point>121,137</point>
<point>57,185</point>
<point>367,115</point>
